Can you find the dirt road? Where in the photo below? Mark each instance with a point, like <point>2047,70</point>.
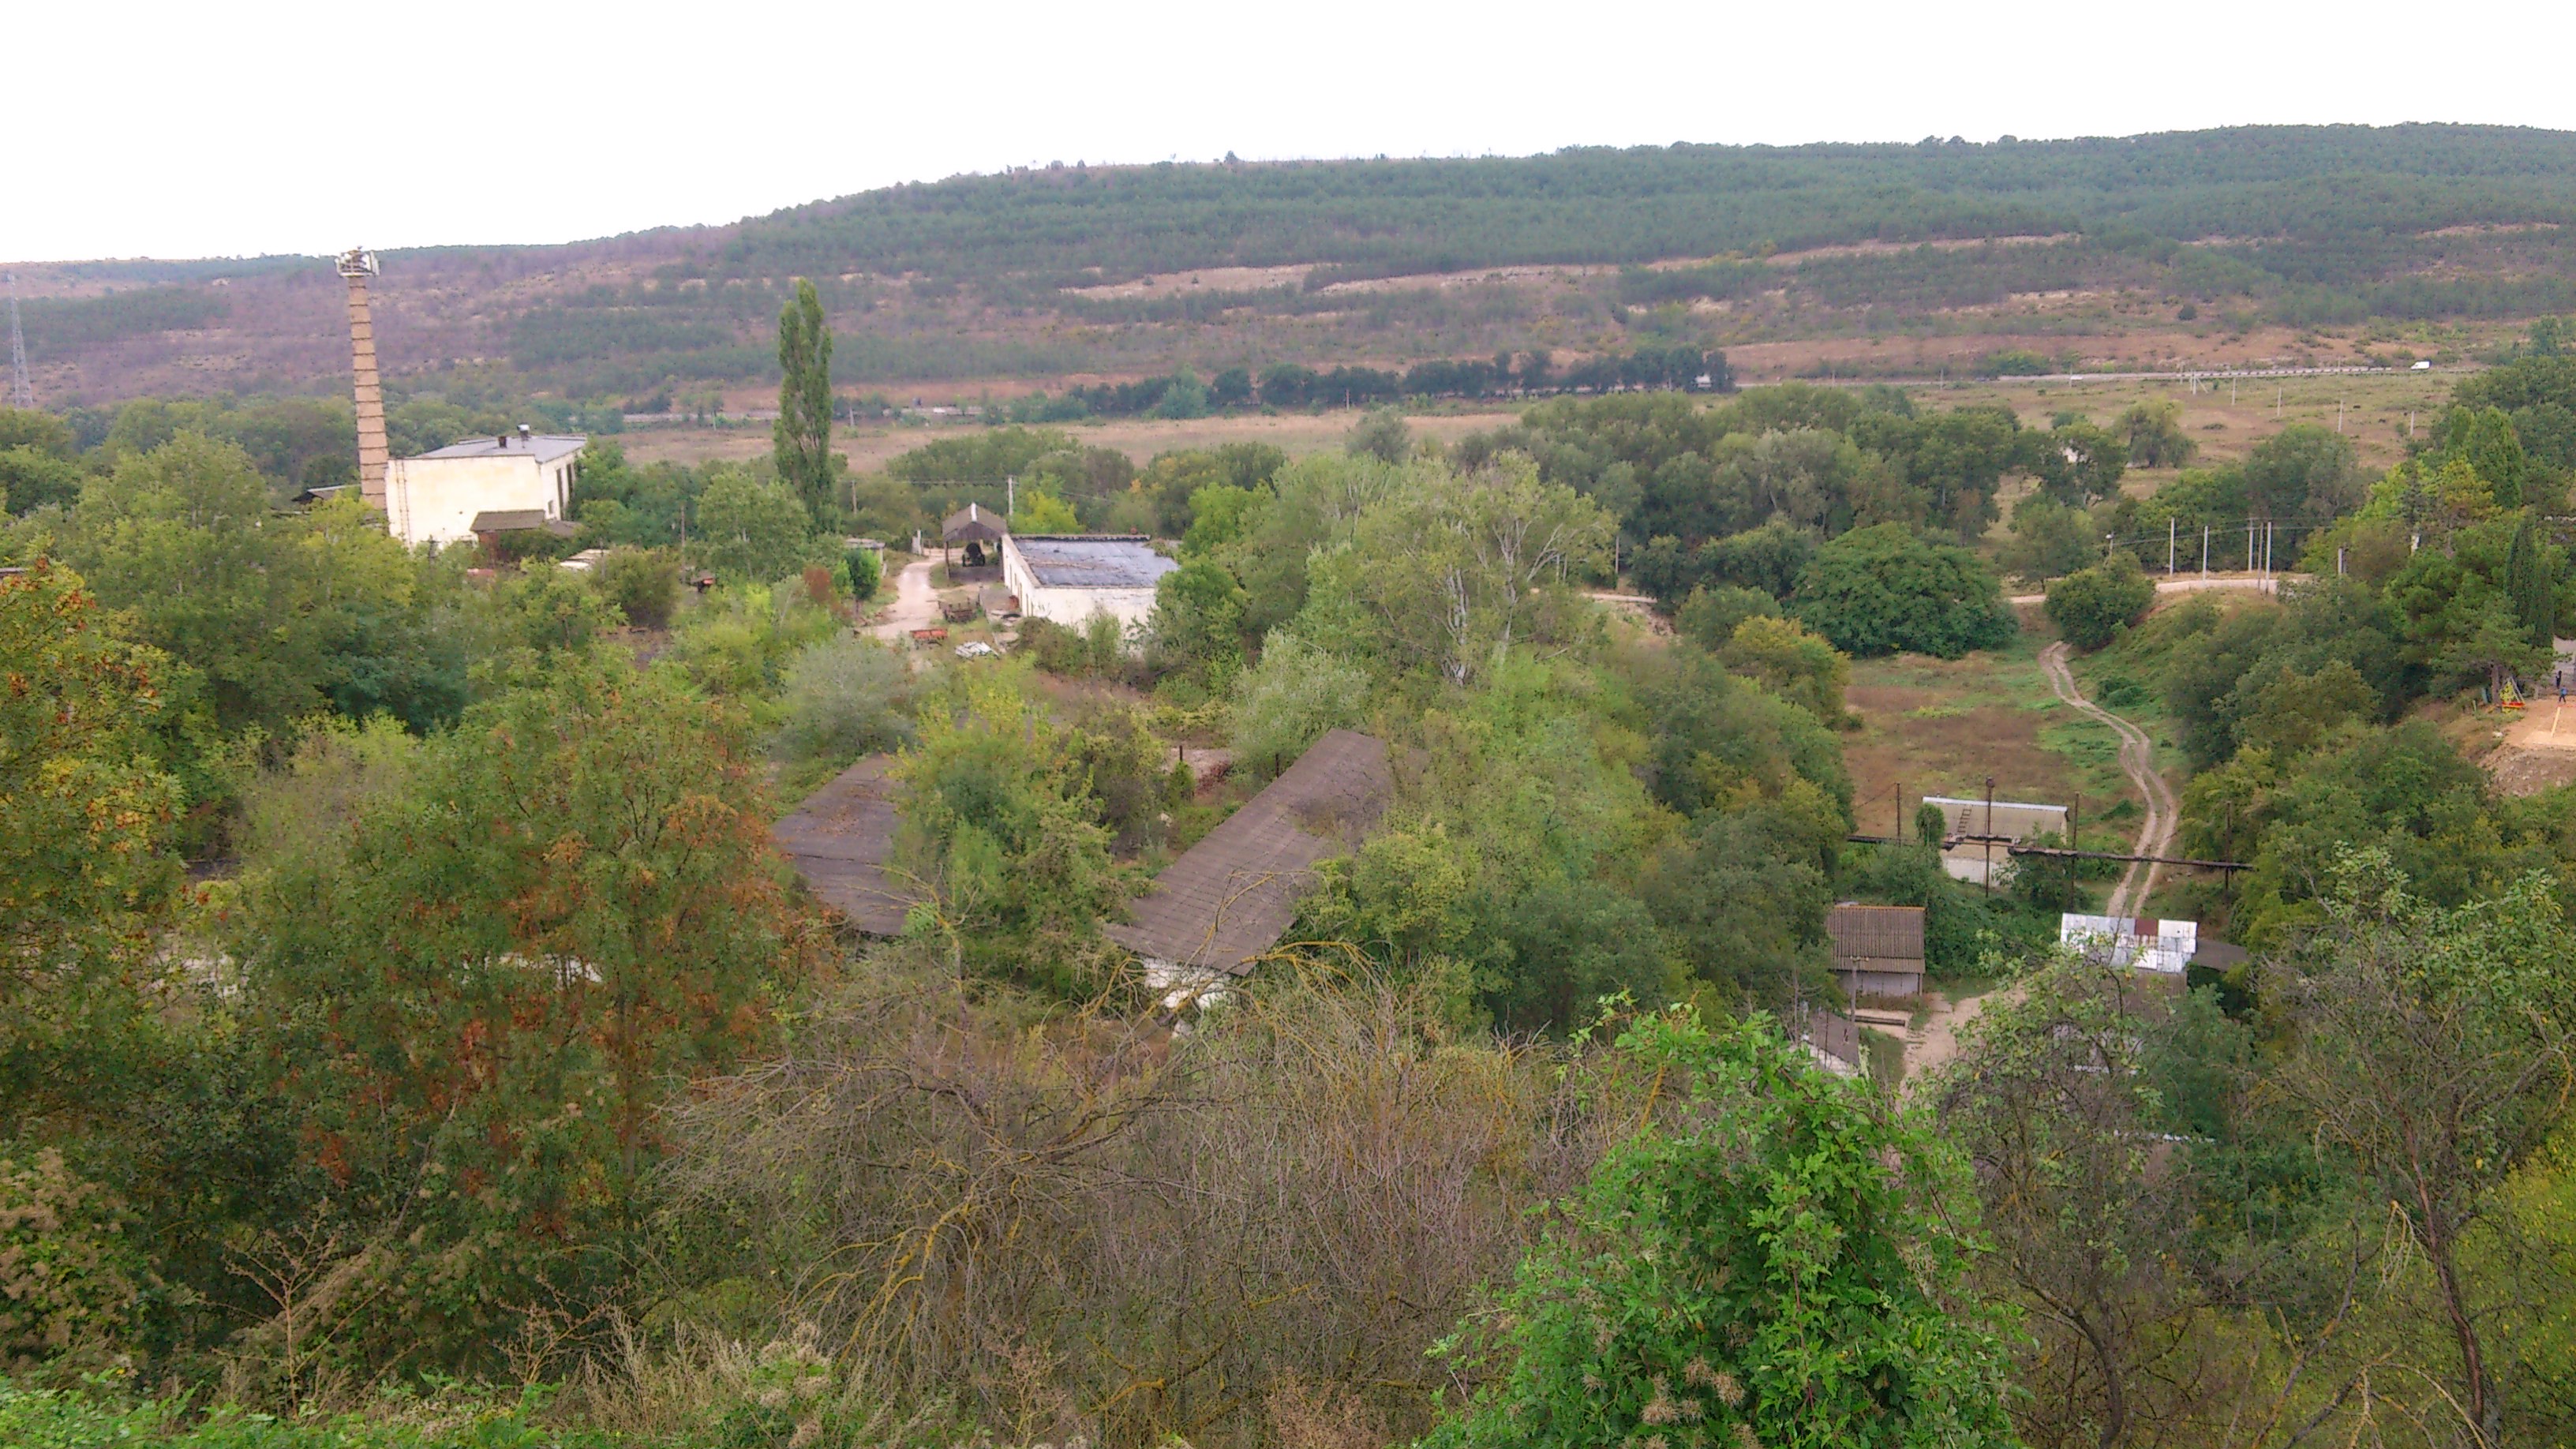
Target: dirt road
<point>2138,758</point>
<point>916,604</point>
<point>2259,583</point>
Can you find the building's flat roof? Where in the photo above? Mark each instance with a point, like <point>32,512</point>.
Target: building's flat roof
<point>1091,560</point>
<point>1231,896</point>
<point>541,448</point>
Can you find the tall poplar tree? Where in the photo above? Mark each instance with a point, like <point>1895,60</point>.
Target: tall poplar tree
<point>804,427</point>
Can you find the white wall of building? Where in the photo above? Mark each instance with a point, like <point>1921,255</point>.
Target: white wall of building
<point>1072,608</point>
<point>434,500</point>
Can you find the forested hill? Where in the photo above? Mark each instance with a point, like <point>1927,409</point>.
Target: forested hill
<point>2345,197</point>
<point>2201,248</point>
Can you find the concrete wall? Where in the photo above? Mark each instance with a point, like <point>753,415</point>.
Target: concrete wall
<point>433,500</point>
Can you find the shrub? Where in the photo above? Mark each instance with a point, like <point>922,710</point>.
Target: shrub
<point>1883,589</point>
<point>843,697</point>
<point>644,584</point>
<point>1772,1261</point>
<point>1299,692</point>
<point>2091,607</point>
<point>67,1273</point>
<point>1710,615</point>
<point>865,571</point>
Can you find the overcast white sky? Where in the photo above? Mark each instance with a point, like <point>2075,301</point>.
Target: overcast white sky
<point>176,130</point>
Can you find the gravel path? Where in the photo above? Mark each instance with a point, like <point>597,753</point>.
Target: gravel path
<point>2138,758</point>
<point>916,603</point>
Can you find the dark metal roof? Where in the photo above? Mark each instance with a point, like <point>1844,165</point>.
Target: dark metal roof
<point>972,524</point>
<point>1091,560</point>
<point>1868,936</point>
<point>839,840</point>
<point>519,520</point>
<point>540,448</point>
<point>1231,896</point>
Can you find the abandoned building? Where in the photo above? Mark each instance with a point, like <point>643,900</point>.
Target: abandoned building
<point>1230,897</point>
<point>839,840</point>
<point>506,483</point>
<point>1878,950</point>
<point>1067,578</point>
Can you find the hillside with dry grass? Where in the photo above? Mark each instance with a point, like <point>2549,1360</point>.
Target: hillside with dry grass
<point>2253,246</point>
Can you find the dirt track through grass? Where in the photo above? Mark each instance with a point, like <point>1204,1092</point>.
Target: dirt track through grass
<point>2138,758</point>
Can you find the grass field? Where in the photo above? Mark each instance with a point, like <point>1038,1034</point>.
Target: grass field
<point>1138,438</point>
<point>1943,726</point>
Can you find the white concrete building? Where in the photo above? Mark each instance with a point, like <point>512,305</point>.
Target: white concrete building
<point>436,497</point>
<point>1065,578</point>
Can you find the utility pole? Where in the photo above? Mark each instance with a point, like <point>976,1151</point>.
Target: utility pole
<point>1011,498</point>
<point>1989,833</point>
<point>22,393</point>
<point>2170,525</point>
<point>2204,550</point>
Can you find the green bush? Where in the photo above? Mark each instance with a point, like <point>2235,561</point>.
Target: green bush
<point>68,1274</point>
<point>2091,607</point>
<point>1883,589</point>
<point>1773,1261</point>
<point>866,572</point>
<point>644,584</point>
<point>842,698</point>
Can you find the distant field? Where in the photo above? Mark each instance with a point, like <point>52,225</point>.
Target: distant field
<point>2226,422</point>
<point>1139,438</point>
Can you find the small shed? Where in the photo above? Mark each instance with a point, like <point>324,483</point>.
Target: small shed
<point>1232,896</point>
<point>839,840</point>
<point>491,523</point>
<point>1878,950</point>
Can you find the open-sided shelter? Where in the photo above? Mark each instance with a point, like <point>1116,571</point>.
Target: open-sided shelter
<point>977,533</point>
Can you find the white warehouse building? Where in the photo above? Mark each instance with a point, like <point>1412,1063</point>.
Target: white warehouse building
<point>1065,578</point>
<point>436,497</point>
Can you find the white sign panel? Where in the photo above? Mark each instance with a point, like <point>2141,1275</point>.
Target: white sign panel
<point>2142,942</point>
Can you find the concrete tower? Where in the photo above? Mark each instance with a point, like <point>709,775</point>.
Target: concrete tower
<point>357,264</point>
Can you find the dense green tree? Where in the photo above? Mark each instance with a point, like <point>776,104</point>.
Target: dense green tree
<point>32,478</point>
<point>2154,434</point>
<point>491,974</point>
<point>2079,463</point>
<point>1710,615</point>
<point>1792,663</point>
<point>2433,1052</point>
<point>803,431</point>
<point>1882,589</point>
<point>644,584</point>
<point>1198,621</point>
<point>2092,606</point>
<point>1773,1259</point>
<point>2303,473</point>
<point>1449,572</point>
<point>751,530</point>
<point>1288,701</point>
<point>1769,558</point>
<point>274,618</point>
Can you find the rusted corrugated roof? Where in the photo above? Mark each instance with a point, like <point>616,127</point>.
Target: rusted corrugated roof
<point>839,840</point>
<point>1231,896</point>
<point>1875,934</point>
